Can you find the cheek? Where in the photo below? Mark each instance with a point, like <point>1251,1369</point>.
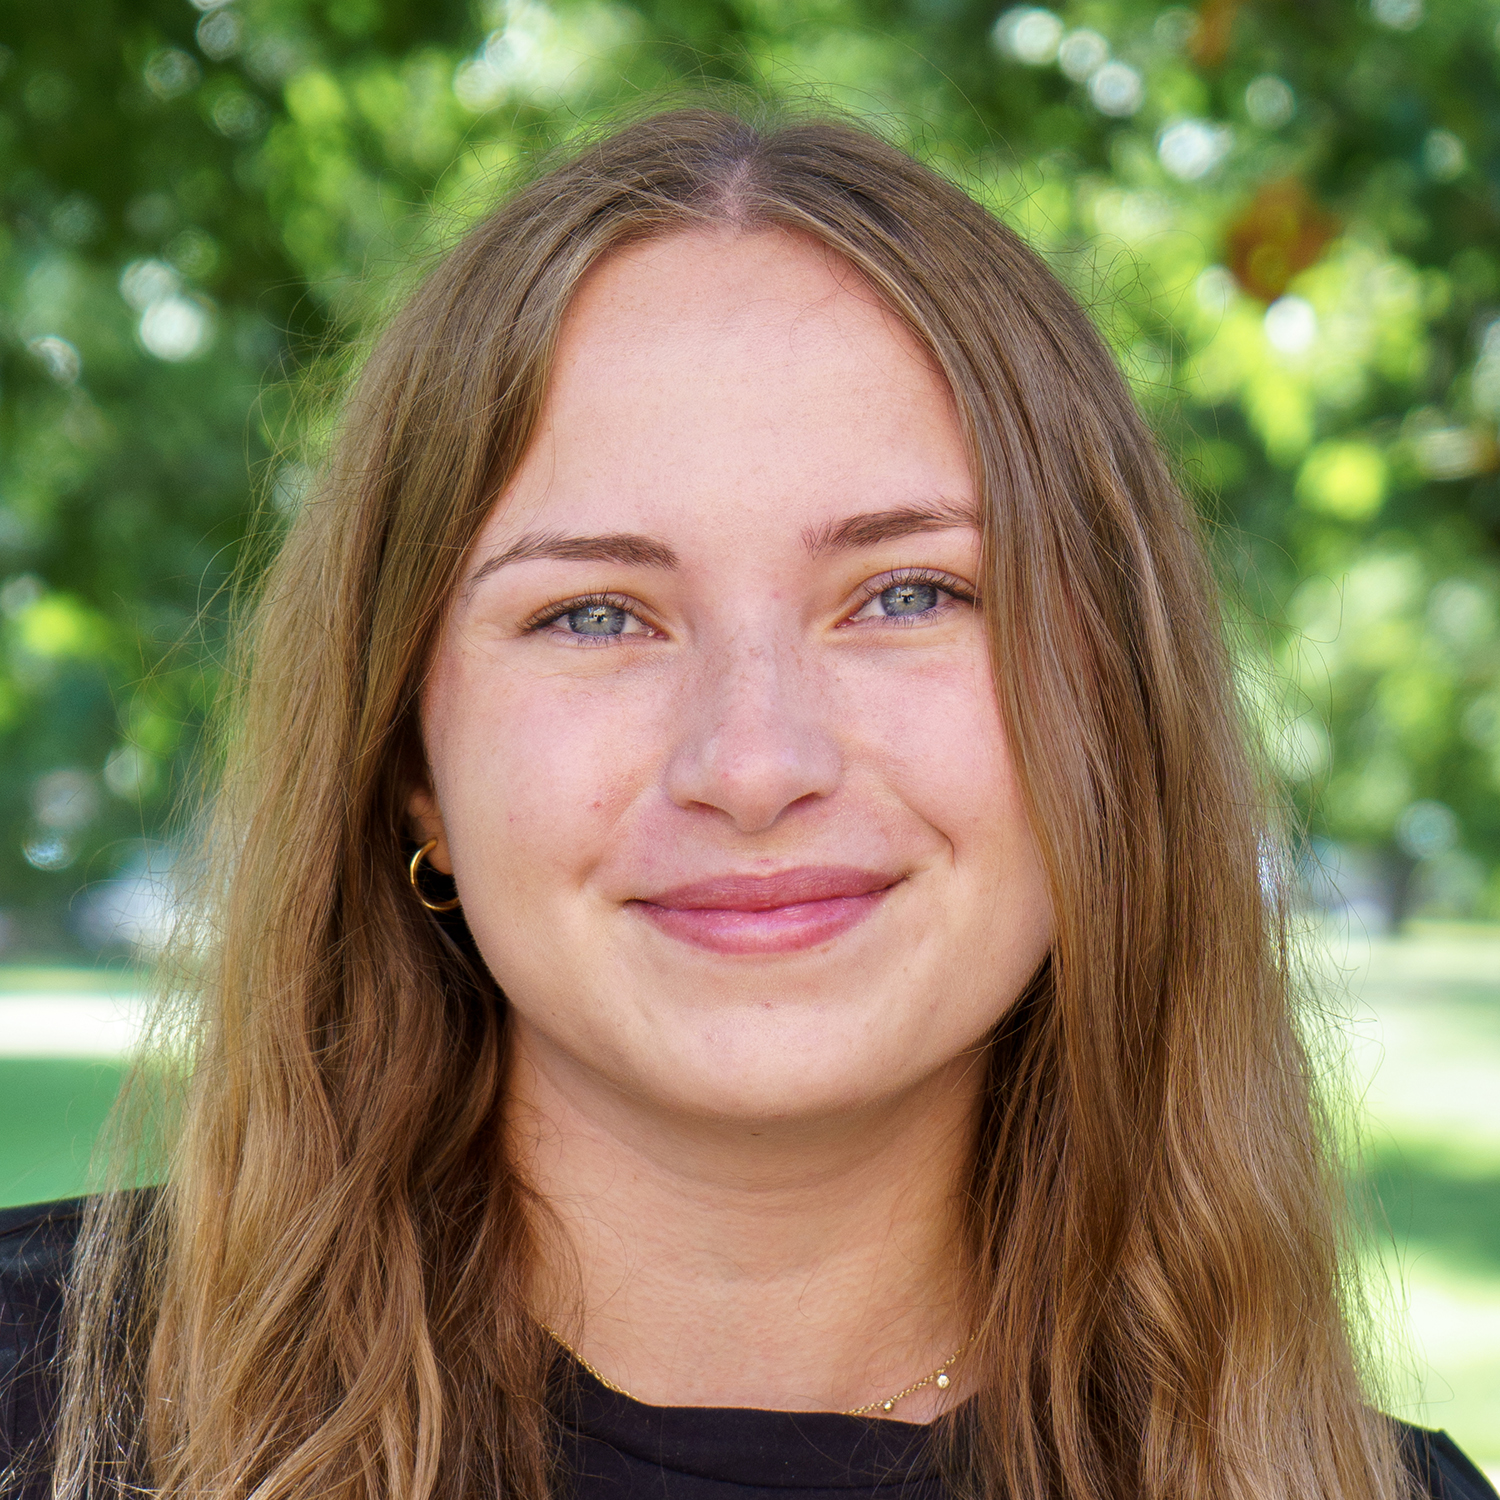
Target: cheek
<point>530,772</point>
<point>939,737</point>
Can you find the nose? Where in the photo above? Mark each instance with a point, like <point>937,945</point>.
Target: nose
<point>756,735</point>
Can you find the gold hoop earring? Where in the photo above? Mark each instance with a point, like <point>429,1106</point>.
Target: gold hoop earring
<point>411,874</point>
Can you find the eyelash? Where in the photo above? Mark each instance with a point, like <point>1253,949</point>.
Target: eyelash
<point>554,612</point>
<point>946,582</point>
<point>955,588</point>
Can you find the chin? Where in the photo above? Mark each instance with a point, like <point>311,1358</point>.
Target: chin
<point>769,1098</point>
<point>769,1064</point>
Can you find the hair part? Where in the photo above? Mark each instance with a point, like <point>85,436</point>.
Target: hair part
<point>329,1296</point>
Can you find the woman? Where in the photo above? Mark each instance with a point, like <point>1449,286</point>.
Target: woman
<point>739,960</point>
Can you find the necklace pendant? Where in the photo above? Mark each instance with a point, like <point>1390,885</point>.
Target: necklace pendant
<point>888,1405</point>
<point>943,1381</point>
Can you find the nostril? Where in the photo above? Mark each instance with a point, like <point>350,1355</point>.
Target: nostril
<point>754,774</point>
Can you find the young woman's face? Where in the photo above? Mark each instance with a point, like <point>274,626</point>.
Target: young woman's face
<point>715,753</point>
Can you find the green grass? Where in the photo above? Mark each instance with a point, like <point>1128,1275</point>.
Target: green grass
<point>54,979</point>
<point>1423,1015</point>
<point>51,1109</point>
<point>1433,1212</point>
<point>1437,1274</point>
<point>1423,1018</point>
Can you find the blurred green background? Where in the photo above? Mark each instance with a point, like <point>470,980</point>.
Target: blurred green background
<point>1284,215</point>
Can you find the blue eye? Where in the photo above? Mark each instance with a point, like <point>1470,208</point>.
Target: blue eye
<point>912,599</point>
<point>908,598</point>
<point>597,619</point>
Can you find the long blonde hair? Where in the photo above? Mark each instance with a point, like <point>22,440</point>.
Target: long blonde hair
<point>328,1297</point>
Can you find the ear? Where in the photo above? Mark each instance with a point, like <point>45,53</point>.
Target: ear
<point>427,823</point>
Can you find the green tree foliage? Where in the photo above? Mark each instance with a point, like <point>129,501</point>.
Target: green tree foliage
<point>1283,213</point>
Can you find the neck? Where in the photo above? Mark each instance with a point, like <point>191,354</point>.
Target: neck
<point>809,1265</point>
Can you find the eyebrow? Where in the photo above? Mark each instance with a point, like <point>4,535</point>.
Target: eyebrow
<point>632,550</point>
<point>886,526</point>
<point>624,547</point>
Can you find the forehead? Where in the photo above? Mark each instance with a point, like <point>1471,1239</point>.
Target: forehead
<point>720,371</point>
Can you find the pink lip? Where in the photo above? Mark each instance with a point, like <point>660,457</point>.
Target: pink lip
<point>768,913</point>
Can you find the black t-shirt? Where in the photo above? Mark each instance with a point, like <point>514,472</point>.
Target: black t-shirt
<point>621,1449</point>
<point>617,1448</point>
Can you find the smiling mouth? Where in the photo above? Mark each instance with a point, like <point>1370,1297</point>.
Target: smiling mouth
<point>780,913</point>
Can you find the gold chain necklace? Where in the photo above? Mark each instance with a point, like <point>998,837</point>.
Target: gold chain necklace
<point>938,1377</point>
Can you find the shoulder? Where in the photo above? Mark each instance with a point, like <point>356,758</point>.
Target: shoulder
<point>36,1251</point>
<point>36,1243</point>
<point>1440,1468</point>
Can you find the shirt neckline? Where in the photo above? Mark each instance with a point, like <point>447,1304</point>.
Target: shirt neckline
<point>747,1445</point>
